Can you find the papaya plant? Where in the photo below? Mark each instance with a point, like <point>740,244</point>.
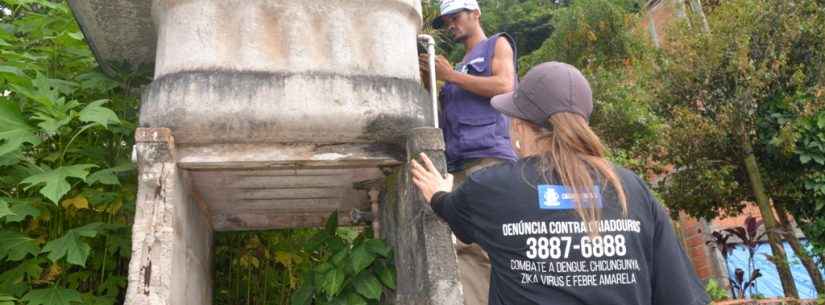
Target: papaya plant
<point>67,186</point>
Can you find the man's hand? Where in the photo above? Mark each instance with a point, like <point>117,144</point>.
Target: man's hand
<point>428,179</point>
<point>443,69</point>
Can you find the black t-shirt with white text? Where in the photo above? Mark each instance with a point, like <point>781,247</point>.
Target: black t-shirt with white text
<point>541,252</point>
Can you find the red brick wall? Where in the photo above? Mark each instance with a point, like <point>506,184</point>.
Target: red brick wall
<point>696,248</point>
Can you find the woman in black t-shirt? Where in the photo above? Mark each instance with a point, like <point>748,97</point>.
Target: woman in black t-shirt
<point>562,225</point>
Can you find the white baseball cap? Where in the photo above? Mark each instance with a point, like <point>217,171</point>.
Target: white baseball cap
<point>449,7</point>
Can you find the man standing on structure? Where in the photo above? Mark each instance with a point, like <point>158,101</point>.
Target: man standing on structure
<point>475,133</point>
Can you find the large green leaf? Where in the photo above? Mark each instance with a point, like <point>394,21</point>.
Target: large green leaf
<point>339,257</point>
<point>96,113</point>
<point>4,208</point>
<point>55,184</point>
<point>333,281</point>
<point>368,286</point>
<point>15,246</point>
<point>355,299</point>
<point>361,258</point>
<point>21,210</point>
<point>378,246</point>
<point>52,296</point>
<point>386,274</point>
<point>14,131</point>
<point>109,176</point>
<point>52,124</point>
<point>71,246</point>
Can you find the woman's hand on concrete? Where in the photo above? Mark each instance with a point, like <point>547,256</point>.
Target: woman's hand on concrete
<point>428,179</point>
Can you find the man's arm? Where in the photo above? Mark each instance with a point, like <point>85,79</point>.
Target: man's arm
<point>501,80</point>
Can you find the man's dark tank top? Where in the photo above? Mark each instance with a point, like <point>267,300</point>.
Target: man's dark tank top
<point>472,128</point>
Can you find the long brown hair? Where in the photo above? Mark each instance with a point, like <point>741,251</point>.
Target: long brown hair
<point>577,157</point>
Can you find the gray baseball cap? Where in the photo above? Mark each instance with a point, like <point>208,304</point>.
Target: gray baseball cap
<point>548,88</point>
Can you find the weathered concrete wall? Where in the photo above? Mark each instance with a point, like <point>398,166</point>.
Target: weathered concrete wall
<point>290,71</point>
<point>425,258</point>
<point>212,106</point>
<point>171,237</point>
<point>346,37</point>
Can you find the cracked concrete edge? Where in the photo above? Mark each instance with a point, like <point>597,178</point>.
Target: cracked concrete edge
<point>151,239</point>
<point>172,234</point>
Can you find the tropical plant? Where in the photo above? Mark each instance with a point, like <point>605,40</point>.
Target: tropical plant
<point>720,240</point>
<point>333,265</point>
<point>345,271</point>
<point>67,187</point>
<point>749,235</point>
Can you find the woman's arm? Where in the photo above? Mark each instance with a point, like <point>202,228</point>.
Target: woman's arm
<point>437,190</point>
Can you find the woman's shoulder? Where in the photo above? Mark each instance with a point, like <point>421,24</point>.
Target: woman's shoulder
<point>637,190</point>
<point>629,177</point>
<point>495,174</point>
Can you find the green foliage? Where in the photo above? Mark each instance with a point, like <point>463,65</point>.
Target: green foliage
<point>14,131</point>
<point>71,246</point>
<point>52,296</point>
<point>753,77</point>
<point>527,21</point>
<point>66,189</point>
<point>15,246</point>
<point>54,181</point>
<point>597,36</point>
<point>345,271</point>
<point>715,291</point>
<point>759,76</point>
<point>588,34</point>
<point>303,266</point>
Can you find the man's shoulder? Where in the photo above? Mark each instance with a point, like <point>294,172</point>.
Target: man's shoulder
<point>503,39</point>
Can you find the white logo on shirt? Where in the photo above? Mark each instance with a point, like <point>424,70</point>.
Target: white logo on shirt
<point>551,198</point>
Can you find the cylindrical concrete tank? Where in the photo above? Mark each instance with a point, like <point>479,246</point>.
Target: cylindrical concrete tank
<point>286,71</point>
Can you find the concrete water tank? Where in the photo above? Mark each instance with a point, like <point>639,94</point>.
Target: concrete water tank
<point>252,71</point>
<point>275,107</point>
<point>268,114</point>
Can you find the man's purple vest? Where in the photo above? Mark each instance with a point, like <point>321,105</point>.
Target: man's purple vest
<point>472,128</point>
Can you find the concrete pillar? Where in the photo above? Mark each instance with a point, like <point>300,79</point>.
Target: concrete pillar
<point>172,236</point>
<point>425,259</point>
